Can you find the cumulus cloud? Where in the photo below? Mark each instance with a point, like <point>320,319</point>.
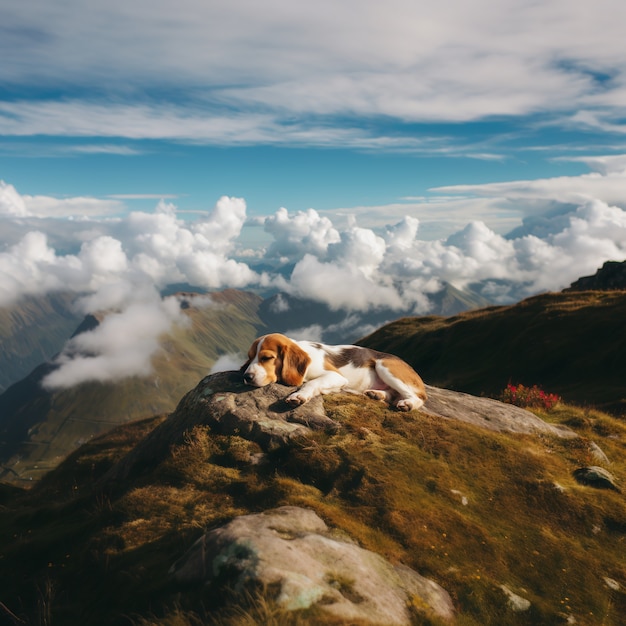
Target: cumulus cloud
<point>228,363</point>
<point>121,273</point>
<point>121,264</point>
<point>11,203</point>
<point>306,232</point>
<point>157,248</point>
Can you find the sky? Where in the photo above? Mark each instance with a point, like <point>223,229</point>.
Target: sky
<point>355,152</point>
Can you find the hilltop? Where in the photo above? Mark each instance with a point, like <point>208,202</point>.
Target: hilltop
<point>479,521</point>
<point>569,343</point>
<point>612,275</point>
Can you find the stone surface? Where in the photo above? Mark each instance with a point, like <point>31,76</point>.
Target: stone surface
<point>515,602</point>
<point>261,414</point>
<point>488,413</point>
<point>291,549</point>
<point>595,476</point>
<point>229,407</point>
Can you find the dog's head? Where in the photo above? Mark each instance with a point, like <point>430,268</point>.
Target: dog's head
<point>275,358</point>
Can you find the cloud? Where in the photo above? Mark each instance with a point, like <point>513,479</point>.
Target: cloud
<point>606,183</point>
<point>11,203</point>
<point>240,72</point>
<point>228,363</point>
<point>119,265</point>
<point>154,248</point>
<point>295,236</point>
<point>122,345</point>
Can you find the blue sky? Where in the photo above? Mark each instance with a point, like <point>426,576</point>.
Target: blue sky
<point>356,152</point>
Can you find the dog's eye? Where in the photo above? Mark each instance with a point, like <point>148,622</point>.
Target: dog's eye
<point>265,358</point>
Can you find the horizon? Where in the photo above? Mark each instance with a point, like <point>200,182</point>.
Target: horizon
<point>356,154</point>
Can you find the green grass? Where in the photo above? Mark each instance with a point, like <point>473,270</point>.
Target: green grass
<point>471,509</point>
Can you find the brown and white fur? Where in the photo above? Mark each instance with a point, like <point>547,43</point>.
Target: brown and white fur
<point>317,369</point>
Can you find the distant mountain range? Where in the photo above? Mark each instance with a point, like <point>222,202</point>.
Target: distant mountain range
<point>34,330</point>
<point>288,314</point>
<point>570,343</point>
<point>38,428</point>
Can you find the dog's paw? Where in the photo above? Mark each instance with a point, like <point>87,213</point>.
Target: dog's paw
<point>296,399</point>
<point>376,394</point>
<point>406,404</point>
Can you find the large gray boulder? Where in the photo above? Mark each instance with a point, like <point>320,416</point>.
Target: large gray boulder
<point>291,549</point>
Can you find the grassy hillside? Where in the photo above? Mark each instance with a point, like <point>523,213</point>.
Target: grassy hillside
<point>32,332</point>
<point>572,344</point>
<point>475,510</point>
<point>39,428</point>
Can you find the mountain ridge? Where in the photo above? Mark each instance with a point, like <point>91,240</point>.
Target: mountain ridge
<point>569,343</point>
<point>39,427</point>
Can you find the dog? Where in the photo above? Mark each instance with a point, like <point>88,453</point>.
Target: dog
<point>317,369</point>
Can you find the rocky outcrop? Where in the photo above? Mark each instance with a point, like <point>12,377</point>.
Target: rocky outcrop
<point>261,414</point>
<point>229,407</point>
<point>292,551</point>
<point>611,276</point>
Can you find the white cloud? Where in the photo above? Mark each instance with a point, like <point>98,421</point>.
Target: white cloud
<point>295,236</point>
<point>227,363</point>
<point>607,183</point>
<point>121,264</point>
<point>342,286</point>
<point>46,206</point>
<point>122,345</point>
<point>11,203</point>
<point>156,248</point>
<point>252,72</point>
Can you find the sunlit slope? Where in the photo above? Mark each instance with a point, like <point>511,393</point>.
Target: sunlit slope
<point>482,513</point>
<point>39,428</point>
<point>32,331</point>
<point>570,343</point>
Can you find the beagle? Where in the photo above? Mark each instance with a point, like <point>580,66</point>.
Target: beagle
<point>317,369</point>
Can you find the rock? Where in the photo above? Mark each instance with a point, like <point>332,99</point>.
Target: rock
<point>229,407</point>
<point>595,476</point>
<point>488,413</point>
<point>261,414</point>
<point>292,550</point>
<point>516,603</point>
<point>611,276</point>
<point>598,454</point>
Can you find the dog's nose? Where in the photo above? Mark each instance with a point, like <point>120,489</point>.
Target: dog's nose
<point>248,378</point>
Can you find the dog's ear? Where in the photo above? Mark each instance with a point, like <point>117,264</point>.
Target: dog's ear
<point>251,355</point>
<point>294,364</point>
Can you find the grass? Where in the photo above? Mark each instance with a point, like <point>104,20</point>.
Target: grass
<point>530,342</point>
<point>472,509</point>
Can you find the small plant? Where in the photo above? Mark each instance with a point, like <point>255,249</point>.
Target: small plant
<point>529,397</point>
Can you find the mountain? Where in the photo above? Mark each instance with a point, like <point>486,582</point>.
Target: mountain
<point>38,428</point>
<point>284,313</point>
<point>612,275</point>
<point>569,343</point>
<point>32,332</point>
<point>467,512</point>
